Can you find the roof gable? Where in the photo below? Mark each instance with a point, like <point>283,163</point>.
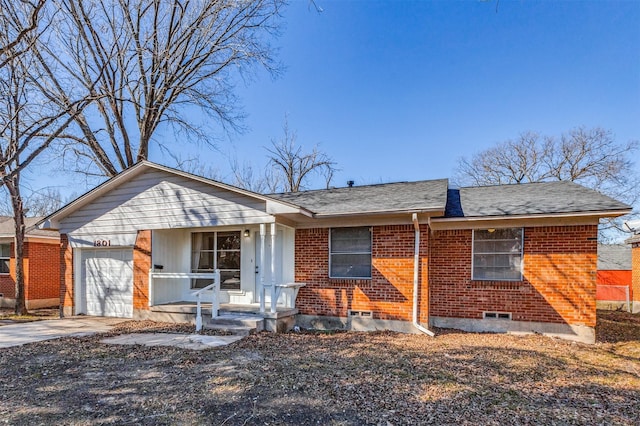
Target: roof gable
<point>161,197</point>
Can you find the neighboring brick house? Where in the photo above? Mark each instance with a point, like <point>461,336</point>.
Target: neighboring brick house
<point>614,276</point>
<point>401,256</point>
<point>634,242</point>
<point>41,265</point>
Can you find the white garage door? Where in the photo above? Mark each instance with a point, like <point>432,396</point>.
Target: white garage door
<point>107,281</point>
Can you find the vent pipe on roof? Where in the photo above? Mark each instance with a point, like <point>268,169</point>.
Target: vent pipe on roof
<point>350,183</point>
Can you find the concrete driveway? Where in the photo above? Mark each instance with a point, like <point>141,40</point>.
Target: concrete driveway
<point>37,331</point>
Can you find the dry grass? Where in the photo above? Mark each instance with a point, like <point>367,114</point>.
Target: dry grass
<point>340,378</point>
<point>7,314</point>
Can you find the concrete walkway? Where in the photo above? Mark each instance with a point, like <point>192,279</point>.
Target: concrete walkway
<point>28,332</point>
<point>21,333</point>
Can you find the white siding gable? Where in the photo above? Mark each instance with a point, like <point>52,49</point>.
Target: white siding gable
<point>157,199</point>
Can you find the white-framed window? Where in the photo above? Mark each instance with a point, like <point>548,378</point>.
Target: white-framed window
<point>216,250</point>
<point>497,254</point>
<point>350,253</point>
<point>5,258</point>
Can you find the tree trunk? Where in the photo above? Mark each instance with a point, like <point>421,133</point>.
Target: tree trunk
<point>13,186</point>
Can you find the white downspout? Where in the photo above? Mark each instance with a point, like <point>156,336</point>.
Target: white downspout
<point>416,276</point>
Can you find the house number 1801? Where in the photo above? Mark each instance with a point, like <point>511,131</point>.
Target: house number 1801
<point>102,243</point>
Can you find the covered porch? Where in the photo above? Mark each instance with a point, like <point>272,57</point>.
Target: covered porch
<point>203,274</point>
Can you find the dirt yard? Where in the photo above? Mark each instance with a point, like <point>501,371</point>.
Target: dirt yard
<point>329,379</point>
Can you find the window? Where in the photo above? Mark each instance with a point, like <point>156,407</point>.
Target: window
<point>5,256</point>
<point>497,254</point>
<point>350,253</point>
<point>216,250</point>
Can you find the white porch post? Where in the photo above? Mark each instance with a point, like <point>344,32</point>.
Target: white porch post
<point>263,231</point>
<point>273,269</point>
<point>151,287</point>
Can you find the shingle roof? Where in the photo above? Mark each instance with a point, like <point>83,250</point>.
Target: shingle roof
<point>7,228</point>
<point>614,257</point>
<point>428,195</point>
<point>528,199</point>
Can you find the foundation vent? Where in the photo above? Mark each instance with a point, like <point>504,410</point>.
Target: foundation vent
<point>362,314</point>
<point>497,315</point>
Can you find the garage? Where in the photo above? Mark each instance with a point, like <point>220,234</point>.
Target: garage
<point>106,282</point>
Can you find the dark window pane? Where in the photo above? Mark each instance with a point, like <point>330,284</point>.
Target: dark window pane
<point>351,240</point>
<point>351,266</point>
<point>229,260</point>
<point>5,250</point>
<point>224,248</point>
<point>228,240</point>
<point>4,266</point>
<point>205,261</point>
<point>497,255</point>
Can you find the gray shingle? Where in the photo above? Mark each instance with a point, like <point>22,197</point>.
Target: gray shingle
<point>7,228</point>
<point>428,195</point>
<point>529,199</point>
<point>614,257</point>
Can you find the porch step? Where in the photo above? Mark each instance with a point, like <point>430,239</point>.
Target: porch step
<point>235,323</point>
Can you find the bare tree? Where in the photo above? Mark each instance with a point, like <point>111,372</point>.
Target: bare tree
<point>39,203</point>
<point>196,166</point>
<point>293,165</point>
<point>29,120</point>
<point>590,157</point>
<point>155,61</point>
<point>513,161</point>
<point>18,18</point>
<point>248,177</point>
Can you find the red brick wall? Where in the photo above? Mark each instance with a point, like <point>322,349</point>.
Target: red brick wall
<point>8,285</point>
<point>389,293</point>
<point>42,270</point>
<point>141,267</point>
<point>559,282</point>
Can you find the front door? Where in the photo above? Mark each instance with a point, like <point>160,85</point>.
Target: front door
<point>263,271</point>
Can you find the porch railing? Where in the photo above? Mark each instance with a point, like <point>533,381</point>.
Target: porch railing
<point>214,288</point>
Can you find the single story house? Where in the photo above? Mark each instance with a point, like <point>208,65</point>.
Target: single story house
<point>41,265</point>
<point>614,276</point>
<point>400,256</point>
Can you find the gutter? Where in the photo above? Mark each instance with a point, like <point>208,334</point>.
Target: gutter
<point>594,213</point>
<point>416,272</point>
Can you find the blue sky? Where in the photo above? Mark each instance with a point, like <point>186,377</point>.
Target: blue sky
<point>400,90</point>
